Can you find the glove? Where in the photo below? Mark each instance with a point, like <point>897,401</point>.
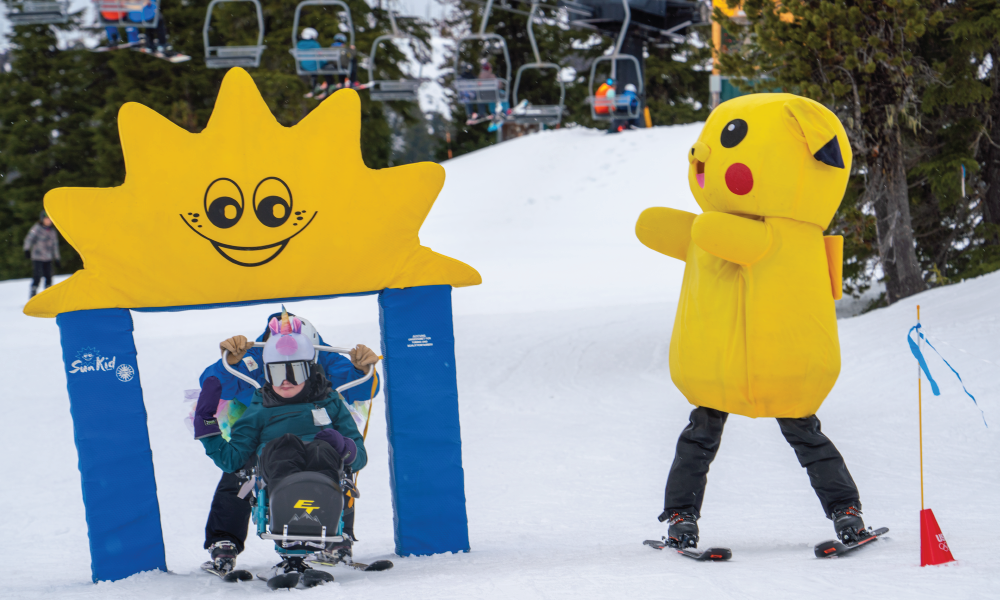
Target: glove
<point>344,446</point>
<point>205,423</point>
<point>58,264</point>
<point>237,347</point>
<point>27,254</point>
<point>362,356</point>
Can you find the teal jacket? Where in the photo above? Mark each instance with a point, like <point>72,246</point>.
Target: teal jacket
<point>259,425</point>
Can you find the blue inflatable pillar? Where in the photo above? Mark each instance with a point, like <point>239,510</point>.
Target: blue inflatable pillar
<point>112,442</point>
<point>425,442</point>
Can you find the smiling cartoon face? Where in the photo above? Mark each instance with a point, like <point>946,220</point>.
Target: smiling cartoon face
<point>87,355</point>
<point>246,210</point>
<point>771,155</point>
<point>272,207</point>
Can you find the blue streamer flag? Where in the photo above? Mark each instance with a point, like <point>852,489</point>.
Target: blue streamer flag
<point>915,349</point>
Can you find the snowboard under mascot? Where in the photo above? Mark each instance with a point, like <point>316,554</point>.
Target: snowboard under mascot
<point>756,330</point>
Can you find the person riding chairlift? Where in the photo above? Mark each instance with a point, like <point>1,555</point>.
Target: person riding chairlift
<point>156,43</point>
<point>309,41</point>
<point>606,90</point>
<point>627,104</point>
<point>339,41</point>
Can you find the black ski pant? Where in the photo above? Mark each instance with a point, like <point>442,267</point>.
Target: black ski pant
<point>40,269</point>
<point>229,517</point>
<point>230,514</point>
<point>699,443</point>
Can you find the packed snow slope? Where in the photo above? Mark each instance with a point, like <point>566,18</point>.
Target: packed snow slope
<point>569,418</point>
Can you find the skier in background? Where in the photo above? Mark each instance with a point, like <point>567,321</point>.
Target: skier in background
<point>226,527</point>
<point>41,247</point>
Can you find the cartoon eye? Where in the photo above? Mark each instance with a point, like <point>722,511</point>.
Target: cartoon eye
<point>221,206</point>
<point>272,202</point>
<point>733,133</point>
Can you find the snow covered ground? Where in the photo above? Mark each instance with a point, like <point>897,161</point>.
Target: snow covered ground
<point>569,417</point>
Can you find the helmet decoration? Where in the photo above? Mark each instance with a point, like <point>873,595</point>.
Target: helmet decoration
<point>289,354</point>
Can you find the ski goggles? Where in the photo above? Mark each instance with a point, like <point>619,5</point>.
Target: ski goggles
<point>293,371</point>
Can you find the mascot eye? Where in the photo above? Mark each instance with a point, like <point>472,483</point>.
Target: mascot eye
<point>733,133</point>
<point>275,203</point>
<point>221,206</point>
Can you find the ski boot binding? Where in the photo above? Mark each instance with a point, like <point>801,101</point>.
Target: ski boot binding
<point>849,526</point>
<point>223,556</point>
<point>683,530</point>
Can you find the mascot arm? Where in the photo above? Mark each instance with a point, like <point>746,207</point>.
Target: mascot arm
<point>666,230</point>
<point>736,239</point>
<point>835,260</point>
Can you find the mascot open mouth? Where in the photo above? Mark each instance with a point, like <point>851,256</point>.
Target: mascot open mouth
<point>699,169</point>
<point>250,256</point>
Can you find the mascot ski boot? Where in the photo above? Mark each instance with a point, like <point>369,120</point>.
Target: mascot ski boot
<point>683,530</point>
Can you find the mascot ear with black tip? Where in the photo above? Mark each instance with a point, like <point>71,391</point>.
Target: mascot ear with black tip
<point>830,154</point>
<point>818,126</point>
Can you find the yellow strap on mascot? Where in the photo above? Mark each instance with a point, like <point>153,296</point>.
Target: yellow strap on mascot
<point>756,331</point>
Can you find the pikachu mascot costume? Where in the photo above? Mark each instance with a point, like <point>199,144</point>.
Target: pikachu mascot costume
<point>756,331</point>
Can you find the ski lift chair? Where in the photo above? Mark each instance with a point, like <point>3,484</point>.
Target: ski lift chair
<point>538,114</point>
<point>390,90</point>
<point>482,91</point>
<point>35,12</point>
<point>142,14</point>
<point>616,108</point>
<point>334,61</point>
<point>224,57</point>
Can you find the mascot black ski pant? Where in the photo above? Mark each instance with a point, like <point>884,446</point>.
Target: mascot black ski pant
<point>699,442</point>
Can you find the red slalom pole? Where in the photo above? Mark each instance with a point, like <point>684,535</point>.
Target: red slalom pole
<point>934,549</point>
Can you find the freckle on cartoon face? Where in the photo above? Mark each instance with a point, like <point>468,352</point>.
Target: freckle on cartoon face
<point>224,207</point>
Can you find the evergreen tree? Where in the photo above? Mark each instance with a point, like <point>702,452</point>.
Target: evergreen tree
<point>557,43</point>
<point>48,99</point>
<point>58,118</point>
<point>974,30</point>
<point>677,78</point>
<point>857,56</point>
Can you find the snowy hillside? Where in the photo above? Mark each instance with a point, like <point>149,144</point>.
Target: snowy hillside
<point>569,417</point>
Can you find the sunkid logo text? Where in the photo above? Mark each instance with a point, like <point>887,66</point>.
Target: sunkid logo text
<point>89,359</point>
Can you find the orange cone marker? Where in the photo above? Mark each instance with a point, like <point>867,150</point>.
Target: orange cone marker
<point>934,549</point>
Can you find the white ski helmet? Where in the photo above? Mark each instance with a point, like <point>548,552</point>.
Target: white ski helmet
<point>630,88</point>
<point>309,331</point>
<point>309,34</point>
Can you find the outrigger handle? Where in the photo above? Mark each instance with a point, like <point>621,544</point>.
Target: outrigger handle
<point>340,390</point>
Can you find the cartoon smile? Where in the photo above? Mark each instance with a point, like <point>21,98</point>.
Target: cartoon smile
<point>250,256</point>
<point>272,205</point>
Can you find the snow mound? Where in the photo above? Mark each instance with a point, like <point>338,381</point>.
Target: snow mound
<point>569,417</point>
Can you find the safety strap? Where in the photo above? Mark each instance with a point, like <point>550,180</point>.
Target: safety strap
<point>364,434</point>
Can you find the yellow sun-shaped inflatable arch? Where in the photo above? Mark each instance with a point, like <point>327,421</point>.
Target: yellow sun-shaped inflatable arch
<point>246,210</point>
